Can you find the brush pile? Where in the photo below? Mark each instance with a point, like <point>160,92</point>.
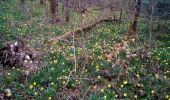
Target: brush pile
<point>19,56</point>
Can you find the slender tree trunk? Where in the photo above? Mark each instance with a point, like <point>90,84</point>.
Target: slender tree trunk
<point>121,10</point>
<point>67,11</point>
<point>133,23</point>
<point>120,16</point>
<point>44,12</point>
<point>80,7</point>
<point>57,8</point>
<point>63,8</point>
<point>42,2</point>
<point>152,7</point>
<point>53,8</point>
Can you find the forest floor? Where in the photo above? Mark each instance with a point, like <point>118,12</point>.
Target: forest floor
<point>96,64</point>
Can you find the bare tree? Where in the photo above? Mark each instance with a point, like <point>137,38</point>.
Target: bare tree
<point>133,23</point>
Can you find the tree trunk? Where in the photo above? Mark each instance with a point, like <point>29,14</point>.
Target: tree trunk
<point>53,8</point>
<point>120,16</point>
<point>67,11</point>
<point>42,2</point>
<point>133,23</point>
<point>57,1</point>
<point>63,8</point>
<point>121,10</point>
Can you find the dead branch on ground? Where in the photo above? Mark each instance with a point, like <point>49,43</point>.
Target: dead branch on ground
<point>83,28</point>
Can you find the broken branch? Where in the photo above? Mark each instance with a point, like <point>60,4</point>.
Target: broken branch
<point>84,28</point>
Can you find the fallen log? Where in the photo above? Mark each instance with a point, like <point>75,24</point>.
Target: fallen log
<point>83,28</point>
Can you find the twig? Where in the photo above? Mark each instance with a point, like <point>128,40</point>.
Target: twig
<point>75,60</point>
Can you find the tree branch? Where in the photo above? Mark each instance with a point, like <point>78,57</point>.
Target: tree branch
<point>83,28</point>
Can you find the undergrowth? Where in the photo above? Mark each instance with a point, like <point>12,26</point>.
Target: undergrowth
<point>95,77</point>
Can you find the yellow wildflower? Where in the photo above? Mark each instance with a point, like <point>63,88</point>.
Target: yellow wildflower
<point>102,90</point>
<point>125,82</point>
